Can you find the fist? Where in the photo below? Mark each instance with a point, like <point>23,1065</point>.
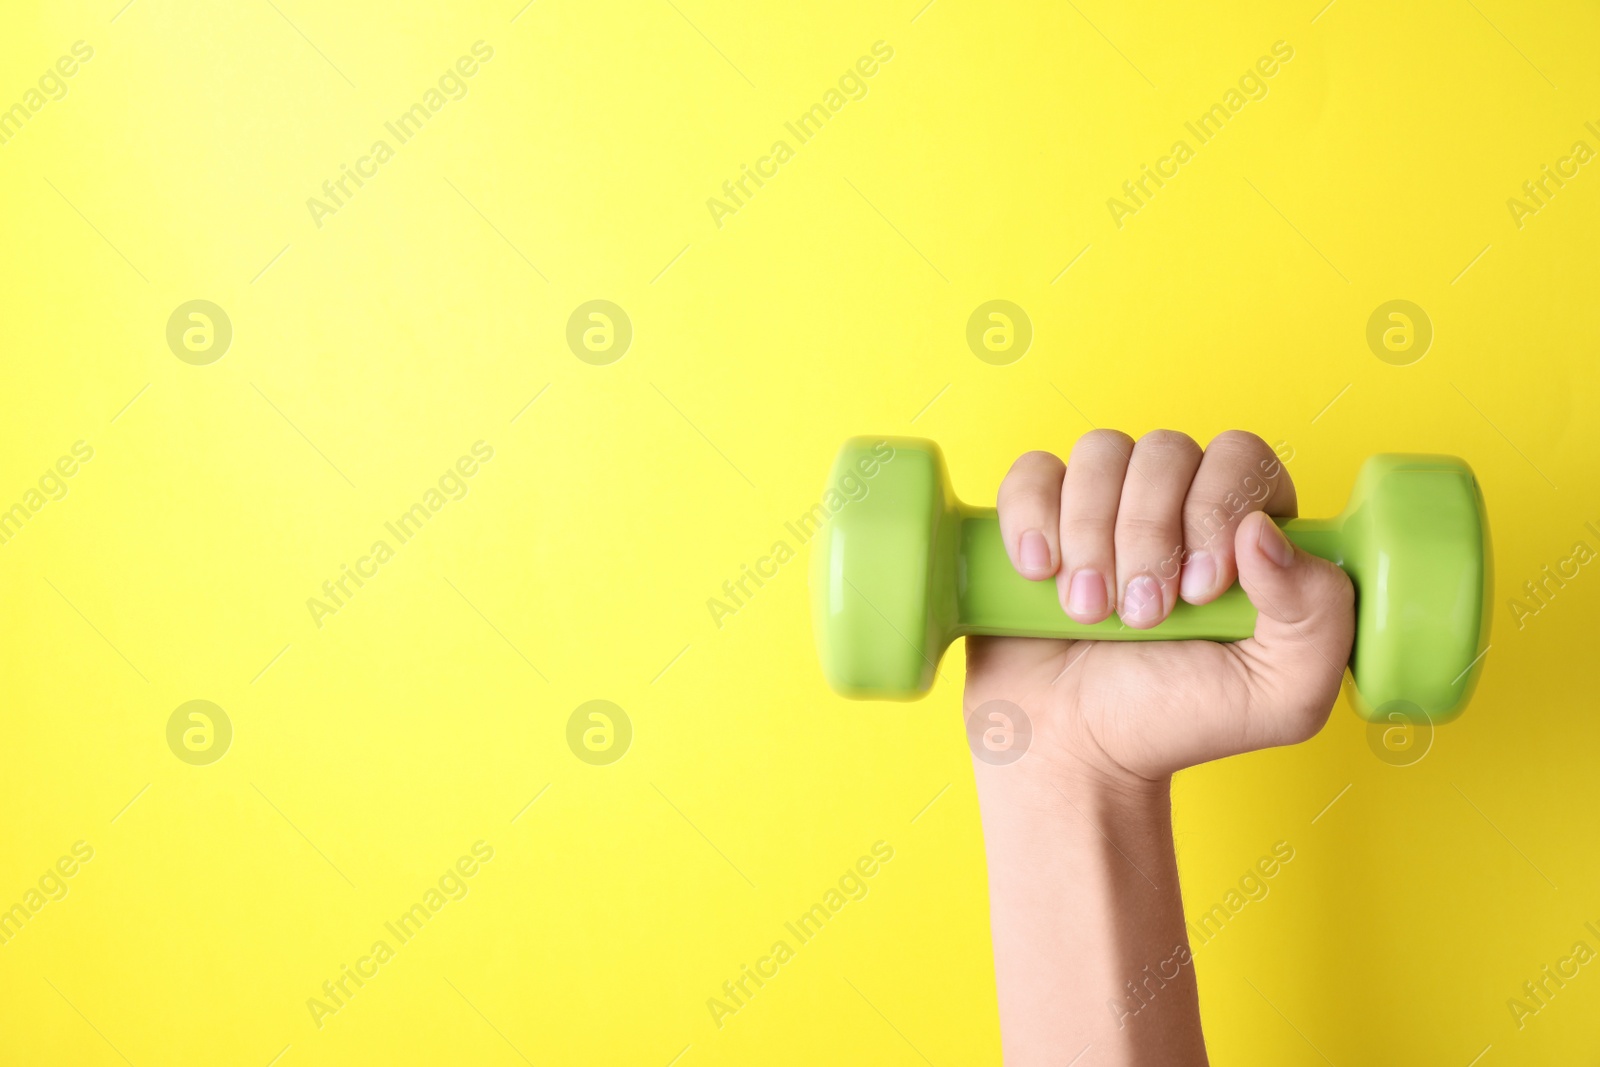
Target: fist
<point>1128,527</point>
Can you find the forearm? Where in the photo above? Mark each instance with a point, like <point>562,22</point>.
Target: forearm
<point>1087,920</point>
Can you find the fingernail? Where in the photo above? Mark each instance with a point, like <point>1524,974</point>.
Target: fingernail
<point>1199,575</point>
<point>1141,602</point>
<point>1035,553</point>
<point>1086,596</point>
<point>1274,545</point>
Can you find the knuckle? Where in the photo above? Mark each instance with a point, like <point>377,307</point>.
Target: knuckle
<point>1036,462</point>
<point>1342,594</point>
<point>1147,544</point>
<point>1240,442</point>
<point>1303,719</point>
<point>1328,586</point>
<point>1104,442</point>
<point>1031,478</point>
<point>1171,441</point>
<point>1086,533</point>
<point>1257,461</point>
<point>1295,709</point>
<point>1143,527</point>
<point>1205,522</point>
<point>1140,523</point>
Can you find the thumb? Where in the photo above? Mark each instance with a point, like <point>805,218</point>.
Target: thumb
<point>1304,628</point>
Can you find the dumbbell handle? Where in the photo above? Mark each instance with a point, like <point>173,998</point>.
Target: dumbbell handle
<point>994,599</point>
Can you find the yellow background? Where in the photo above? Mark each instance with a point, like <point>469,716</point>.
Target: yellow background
<point>373,351</point>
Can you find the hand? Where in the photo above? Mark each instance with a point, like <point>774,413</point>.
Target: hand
<point>1090,946</point>
<point>1130,527</point>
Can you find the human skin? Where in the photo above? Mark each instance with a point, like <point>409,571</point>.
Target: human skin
<point>1085,909</point>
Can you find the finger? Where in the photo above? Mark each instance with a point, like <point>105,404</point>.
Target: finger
<point>1238,474</point>
<point>1149,535</point>
<point>1304,629</point>
<point>1088,519</point>
<point>1029,505</point>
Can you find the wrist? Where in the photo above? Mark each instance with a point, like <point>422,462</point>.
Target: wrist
<point>1054,793</point>
<point>1066,823</point>
<point>1083,894</point>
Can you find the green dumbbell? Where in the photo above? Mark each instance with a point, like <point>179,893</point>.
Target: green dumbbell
<point>905,568</point>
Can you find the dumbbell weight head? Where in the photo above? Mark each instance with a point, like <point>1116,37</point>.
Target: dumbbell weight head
<point>907,568</point>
